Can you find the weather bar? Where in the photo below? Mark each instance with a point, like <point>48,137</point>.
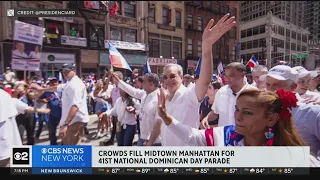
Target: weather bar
<point>42,13</point>
<point>163,171</point>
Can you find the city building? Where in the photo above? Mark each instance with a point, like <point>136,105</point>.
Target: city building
<point>81,40</point>
<point>166,38</point>
<point>273,31</point>
<point>312,23</point>
<point>198,14</point>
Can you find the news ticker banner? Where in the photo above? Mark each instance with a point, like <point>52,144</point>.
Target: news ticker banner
<point>87,159</point>
<point>42,13</point>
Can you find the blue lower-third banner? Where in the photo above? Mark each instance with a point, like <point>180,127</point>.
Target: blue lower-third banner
<point>61,156</point>
<point>61,170</point>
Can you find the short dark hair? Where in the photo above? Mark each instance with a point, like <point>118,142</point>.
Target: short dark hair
<point>238,66</point>
<point>140,79</point>
<point>152,77</point>
<point>216,84</point>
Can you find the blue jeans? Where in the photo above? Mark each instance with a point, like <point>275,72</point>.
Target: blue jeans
<point>41,120</point>
<point>125,136</point>
<point>142,141</point>
<point>52,127</point>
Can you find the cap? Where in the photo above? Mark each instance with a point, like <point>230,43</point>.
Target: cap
<point>1,76</point>
<point>303,72</point>
<point>281,72</point>
<point>52,78</point>
<point>68,67</point>
<point>7,68</point>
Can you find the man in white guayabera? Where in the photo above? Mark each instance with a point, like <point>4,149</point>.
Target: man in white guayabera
<point>183,103</point>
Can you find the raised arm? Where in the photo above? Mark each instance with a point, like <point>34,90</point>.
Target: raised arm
<point>133,92</point>
<point>209,37</point>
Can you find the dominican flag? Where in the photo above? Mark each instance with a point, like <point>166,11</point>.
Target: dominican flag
<point>198,68</point>
<point>116,59</point>
<point>252,62</point>
<point>147,69</point>
<point>220,69</point>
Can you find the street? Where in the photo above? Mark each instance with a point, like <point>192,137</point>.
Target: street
<point>92,127</point>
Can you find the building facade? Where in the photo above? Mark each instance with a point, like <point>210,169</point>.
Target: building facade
<point>81,40</point>
<point>273,32</point>
<point>166,37</point>
<point>312,23</point>
<point>198,14</point>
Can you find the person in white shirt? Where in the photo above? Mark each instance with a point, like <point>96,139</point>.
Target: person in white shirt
<point>125,109</point>
<point>184,103</point>
<point>258,71</point>
<point>19,53</point>
<point>74,106</point>
<point>306,117</point>
<point>187,81</point>
<point>9,133</point>
<point>303,84</point>
<point>315,83</point>
<point>10,76</point>
<point>148,113</point>
<point>35,54</point>
<point>227,95</point>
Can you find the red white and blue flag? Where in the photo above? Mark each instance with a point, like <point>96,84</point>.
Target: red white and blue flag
<point>252,62</point>
<point>116,59</point>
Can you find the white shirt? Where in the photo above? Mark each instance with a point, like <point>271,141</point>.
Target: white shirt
<point>148,114</point>
<point>226,104</point>
<point>74,93</point>
<point>34,55</point>
<point>17,54</point>
<point>10,77</point>
<point>311,95</point>
<point>9,133</point>
<point>184,107</point>
<point>119,110</point>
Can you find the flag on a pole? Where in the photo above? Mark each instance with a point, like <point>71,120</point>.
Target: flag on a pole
<point>252,62</point>
<point>220,69</point>
<point>147,69</point>
<point>116,59</point>
<point>198,68</point>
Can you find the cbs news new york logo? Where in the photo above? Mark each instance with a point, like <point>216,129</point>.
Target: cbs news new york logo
<point>20,156</point>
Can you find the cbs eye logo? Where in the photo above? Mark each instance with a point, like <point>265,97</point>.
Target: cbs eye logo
<point>20,156</point>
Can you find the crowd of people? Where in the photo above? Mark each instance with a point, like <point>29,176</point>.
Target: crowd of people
<point>276,107</point>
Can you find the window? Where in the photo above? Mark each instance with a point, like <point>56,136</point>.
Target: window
<point>165,16</point>
<point>190,47</point>
<point>243,46</point>
<point>129,9</point>
<point>76,30</point>
<point>190,21</point>
<point>249,45</point>
<point>166,49</point>
<point>218,45</point>
<point>130,35</point>
<point>178,19</point>
<point>281,31</point>
<point>293,46</point>
<point>249,32</point>
<point>30,20</point>
<point>200,23</point>
<point>151,14</point>
<point>255,31</point>
<point>54,27</point>
<point>199,48</point>
<point>95,40</point>
<point>287,33</point>
<point>218,6</point>
<point>115,34</point>
<point>304,49</point>
<point>262,29</point>
<point>255,43</point>
<point>234,12</point>
<point>177,50</point>
<point>243,33</point>
<point>304,38</point>
<point>287,45</point>
<point>154,48</point>
<point>225,8</point>
<point>299,37</point>
<point>298,47</point>
<point>294,35</point>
